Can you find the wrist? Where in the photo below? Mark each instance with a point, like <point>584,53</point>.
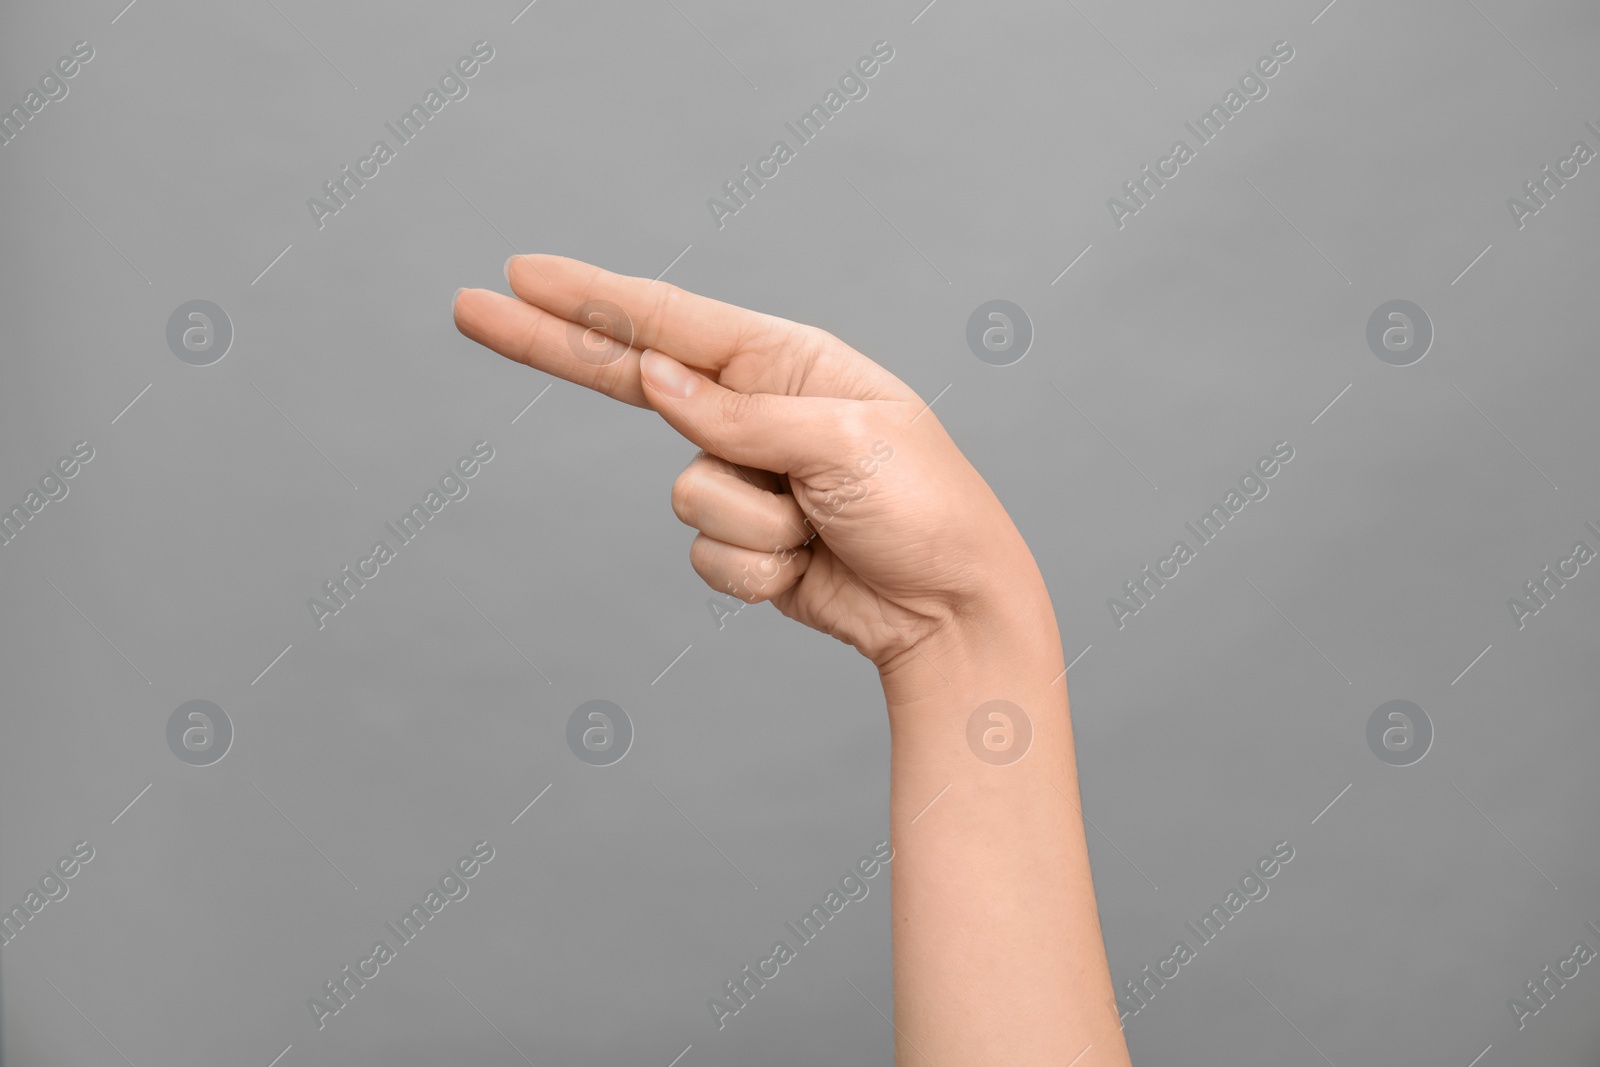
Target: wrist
<point>1005,639</point>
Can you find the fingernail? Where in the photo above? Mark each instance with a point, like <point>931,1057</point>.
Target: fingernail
<point>666,375</point>
<point>456,297</point>
<point>506,270</point>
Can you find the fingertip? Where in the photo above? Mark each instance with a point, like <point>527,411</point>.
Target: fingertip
<point>506,270</point>
<point>666,375</point>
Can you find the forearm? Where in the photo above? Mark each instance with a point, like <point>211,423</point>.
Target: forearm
<point>998,954</point>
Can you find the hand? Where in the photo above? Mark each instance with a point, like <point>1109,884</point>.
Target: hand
<point>826,485</point>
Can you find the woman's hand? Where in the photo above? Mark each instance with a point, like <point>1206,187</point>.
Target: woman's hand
<point>826,485</point>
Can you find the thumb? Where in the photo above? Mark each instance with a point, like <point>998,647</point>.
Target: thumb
<point>774,432</point>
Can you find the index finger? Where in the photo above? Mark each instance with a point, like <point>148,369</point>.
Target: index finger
<point>549,343</point>
<point>692,329</point>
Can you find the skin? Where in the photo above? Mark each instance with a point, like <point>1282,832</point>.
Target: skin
<point>826,486</point>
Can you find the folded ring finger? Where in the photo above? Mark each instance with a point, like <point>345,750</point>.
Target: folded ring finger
<point>720,500</point>
<point>752,576</point>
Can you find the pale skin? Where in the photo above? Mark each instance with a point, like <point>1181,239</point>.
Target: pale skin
<point>826,486</point>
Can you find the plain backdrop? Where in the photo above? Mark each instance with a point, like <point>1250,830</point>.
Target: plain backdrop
<point>1224,317</point>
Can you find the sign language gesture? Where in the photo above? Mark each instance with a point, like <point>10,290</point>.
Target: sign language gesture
<point>826,485</point>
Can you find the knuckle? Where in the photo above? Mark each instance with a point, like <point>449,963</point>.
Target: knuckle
<point>854,425</point>
<point>739,409</point>
<point>667,301</point>
<point>686,495</point>
<point>787,528</point>
<point>821,338</point>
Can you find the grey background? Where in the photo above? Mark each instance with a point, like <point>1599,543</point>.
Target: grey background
<point>374,752</point>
